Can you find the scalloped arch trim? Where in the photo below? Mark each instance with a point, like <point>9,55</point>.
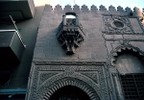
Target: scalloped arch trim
<point>122,48</point>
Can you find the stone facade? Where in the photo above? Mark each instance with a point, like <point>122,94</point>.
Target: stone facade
<point>91,68</point>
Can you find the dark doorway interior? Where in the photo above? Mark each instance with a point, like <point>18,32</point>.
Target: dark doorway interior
<point>69,93</point>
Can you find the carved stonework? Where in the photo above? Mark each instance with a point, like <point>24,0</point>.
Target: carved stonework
<point>93,75</point>
<point>71,82</point>
<point>117,25</point>
<point>45,75</point>
<point>70,33</point>
<point>123,47</point>
<point>48,77</point>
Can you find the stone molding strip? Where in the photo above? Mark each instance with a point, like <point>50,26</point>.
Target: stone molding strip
<point>46,62</point>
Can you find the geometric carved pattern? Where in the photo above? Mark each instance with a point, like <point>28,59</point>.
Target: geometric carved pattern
<point>117,25</point>
<point>45,76</point>
<point>92,75</point>
<point>70,34</point>
<point>49,76</point>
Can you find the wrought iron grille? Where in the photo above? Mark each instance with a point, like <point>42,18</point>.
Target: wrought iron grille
<point>133,86</point>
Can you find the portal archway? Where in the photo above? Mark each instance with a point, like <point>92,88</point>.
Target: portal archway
<point>69,93</point>
<point>69,87</point>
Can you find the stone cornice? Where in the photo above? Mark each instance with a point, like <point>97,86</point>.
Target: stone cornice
<point>46,62</point>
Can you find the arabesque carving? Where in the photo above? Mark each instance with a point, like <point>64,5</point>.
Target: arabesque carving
<point>50,76</point>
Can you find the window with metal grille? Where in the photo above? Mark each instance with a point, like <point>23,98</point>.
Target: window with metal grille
<point>130,66</point>
<point>133,86</point>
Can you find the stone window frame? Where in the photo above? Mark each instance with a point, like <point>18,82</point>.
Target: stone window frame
<point>119,79</point>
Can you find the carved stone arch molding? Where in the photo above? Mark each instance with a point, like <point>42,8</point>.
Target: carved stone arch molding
<point>68,81</point>
<point>121,48</point>
<point>48,77</point>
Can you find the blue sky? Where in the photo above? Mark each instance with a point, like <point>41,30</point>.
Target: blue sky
<point>106,3</point>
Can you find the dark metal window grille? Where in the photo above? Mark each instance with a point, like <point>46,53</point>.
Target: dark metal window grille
<point>133,86</point>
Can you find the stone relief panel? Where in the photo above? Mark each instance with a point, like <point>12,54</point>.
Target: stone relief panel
<point>117,25</point>
<point>92,75</point>
<point>46,77</point>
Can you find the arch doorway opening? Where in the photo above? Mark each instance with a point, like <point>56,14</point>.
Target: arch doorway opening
<point>69,93</point>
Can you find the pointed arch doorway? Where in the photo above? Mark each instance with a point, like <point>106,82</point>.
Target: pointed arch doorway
<point>69,89</point>
<point>69,93</point>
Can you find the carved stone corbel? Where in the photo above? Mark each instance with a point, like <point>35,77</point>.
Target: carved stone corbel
<point>70,34</point>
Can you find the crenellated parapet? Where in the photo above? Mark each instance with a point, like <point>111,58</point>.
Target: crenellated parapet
<point>120,9</point>
<point>58,9</point>
<point>98,11</point>
<point>112,9</point>
<point>76,9</point>
<point>94,9</point>
<point>102,8</point>
<point>68,8</point>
